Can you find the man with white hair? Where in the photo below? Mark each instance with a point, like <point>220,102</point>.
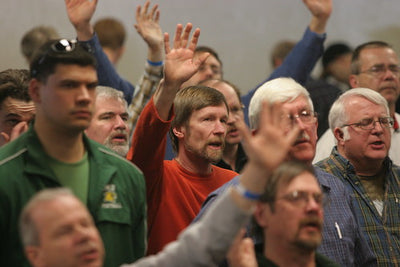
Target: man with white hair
<point>361,122</point>
<point>375,65</point>
<point>109,124</point>
<point>342,240</point>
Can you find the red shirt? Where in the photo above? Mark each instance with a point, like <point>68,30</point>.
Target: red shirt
<point>174,195</point>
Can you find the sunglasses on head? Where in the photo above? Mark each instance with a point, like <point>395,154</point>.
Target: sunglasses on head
<point>61,46</point>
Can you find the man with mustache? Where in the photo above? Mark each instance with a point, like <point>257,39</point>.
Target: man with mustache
<point>375,65</point>
<point>55,152</point>
<point>342,240</point>
<point>234,156</point>
<point>361,122</point>
<point>109,124</point>
<point>197,117</point>
<point>289,216</point>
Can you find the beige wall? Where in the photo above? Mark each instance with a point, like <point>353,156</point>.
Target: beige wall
<point>242,32</point>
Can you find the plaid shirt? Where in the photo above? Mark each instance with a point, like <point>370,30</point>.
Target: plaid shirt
<point>143,92</point>
<point>382,232</point>
<point>342,241</point>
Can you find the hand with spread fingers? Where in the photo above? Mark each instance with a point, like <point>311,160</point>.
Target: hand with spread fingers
<point>267,147</point>
<point>148,27</point>
<point>179,66</point>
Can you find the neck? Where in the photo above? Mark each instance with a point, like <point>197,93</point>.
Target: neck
<point>59,144</point>
<point>392,109</point>
<point>289,255</point>
<point>364,167</point>
<point>112,56</point>
<point>230,154</point>
<point>194,163</point>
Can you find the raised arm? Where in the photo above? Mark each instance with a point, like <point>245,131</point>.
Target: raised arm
<point>320,11</point>
<point>148,27</point>
<point>80,13</point>
<point>299,63</point>
<point>180,65</point>
<point>206,242</point>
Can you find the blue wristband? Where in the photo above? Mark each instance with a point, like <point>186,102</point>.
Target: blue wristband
<point>155,64</point>
<point>247,194</point>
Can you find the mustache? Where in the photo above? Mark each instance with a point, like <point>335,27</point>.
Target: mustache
<point>313,221</point>
<point>303,136</point>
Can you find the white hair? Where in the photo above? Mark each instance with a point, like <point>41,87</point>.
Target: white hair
<point>276,90</point>
<point>338,115</point>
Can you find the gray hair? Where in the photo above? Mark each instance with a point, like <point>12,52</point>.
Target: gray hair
<point>276,90</point>
<point>27,228</point>
<point>109,92</point>
<point>338,115</point>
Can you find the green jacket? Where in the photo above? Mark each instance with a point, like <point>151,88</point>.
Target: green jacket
<point>116,198</point>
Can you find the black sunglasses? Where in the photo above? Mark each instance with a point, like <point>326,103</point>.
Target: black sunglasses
<point>61,46</point>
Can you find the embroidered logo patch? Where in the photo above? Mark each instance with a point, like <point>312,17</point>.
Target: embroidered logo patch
<point>110,198</point>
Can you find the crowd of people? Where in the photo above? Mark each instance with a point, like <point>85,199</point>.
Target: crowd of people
<point>181,169</point>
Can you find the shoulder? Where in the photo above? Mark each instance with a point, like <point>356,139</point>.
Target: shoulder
<point>221,171</point>
<point>11,152</point>
<point>329,180</point>
<point>103,155</point>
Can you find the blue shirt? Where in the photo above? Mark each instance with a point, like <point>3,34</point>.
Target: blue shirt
<point>342,240</point>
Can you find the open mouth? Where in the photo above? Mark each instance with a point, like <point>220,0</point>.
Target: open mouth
<point>90,255</point>
<point>119,137</point>
<point>216,145</point>
<point>377,144</point>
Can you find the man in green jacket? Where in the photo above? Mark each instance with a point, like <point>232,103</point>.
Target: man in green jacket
<point>54,152</point>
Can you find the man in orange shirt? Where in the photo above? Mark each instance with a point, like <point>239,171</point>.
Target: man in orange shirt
<point>197,116</point>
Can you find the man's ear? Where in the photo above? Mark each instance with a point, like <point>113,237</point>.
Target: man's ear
<point>33,255</point>
<point>339,135</point>
<point>353,81</point>
<point>34,92</point>
<point>178,131</point>
<point>262,213</point>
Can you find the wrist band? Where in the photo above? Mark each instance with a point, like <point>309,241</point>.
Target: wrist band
<point>247,194</point>
<point>155,64</point>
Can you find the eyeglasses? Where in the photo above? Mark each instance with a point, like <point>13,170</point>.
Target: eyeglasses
<point>369,123</point>
<point>236,109</point>
<point>61,46</point>
<point>380,70</point>
<point>301,198</point>
<point>306,117</point>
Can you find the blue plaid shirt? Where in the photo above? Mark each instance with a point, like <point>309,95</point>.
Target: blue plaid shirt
<point>342,241</point>
<point>382,232</point>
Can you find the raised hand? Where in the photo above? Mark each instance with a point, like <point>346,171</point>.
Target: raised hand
<point>268,147</point>
<point>80,12</point>
<point>148,27</point>
<point>321,11</point>
<point>180,64</point>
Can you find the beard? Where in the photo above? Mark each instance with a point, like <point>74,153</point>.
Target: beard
<point>313,240</point>
<point>121,148</point>
<point>211,155</point>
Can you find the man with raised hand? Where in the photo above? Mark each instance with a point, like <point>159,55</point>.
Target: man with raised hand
<point>197,116</point>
